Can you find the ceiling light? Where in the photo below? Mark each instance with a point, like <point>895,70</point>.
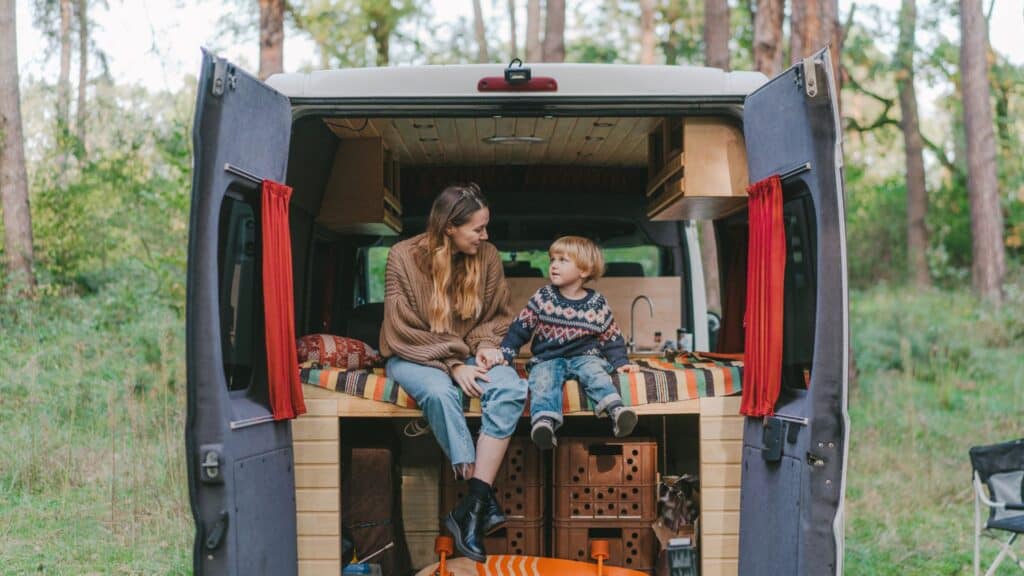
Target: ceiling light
<point>514,140</point>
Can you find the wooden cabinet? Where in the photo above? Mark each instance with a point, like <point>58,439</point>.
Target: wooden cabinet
<point>363,192</point>
<point>696,169</point>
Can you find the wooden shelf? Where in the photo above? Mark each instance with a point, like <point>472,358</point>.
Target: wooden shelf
<point>701,174</point>
<point>363,191</point>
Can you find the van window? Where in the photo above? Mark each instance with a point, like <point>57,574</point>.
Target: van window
<point>238,259</point>
<point>619,261</point>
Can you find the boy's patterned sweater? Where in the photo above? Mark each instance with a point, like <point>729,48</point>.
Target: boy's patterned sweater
<point>564,328</point>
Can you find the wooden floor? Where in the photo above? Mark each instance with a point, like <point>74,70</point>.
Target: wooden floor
<point>317,445</point>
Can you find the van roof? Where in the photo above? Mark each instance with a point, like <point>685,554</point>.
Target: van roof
<point>574,80</point>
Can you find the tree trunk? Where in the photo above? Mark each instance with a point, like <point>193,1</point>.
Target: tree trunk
<point>13,179</point>
<point>917,196</point>
<point>83,70</point>
<point>481,35</point>
<point>533,50</point>
<point>768,36</point>
<point>716,34</point>
<point>647,31</point>
<point>512,44</point>
<point>382,39</point>
<point>716,55</point>
<point>988,252</point>
<point>64,80</point>
<point>554,32</point>
<point>271,37</point>
<point>814,24</point>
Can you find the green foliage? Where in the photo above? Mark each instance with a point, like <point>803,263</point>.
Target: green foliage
<point>876,237</point>
<point>938,372</point>
<point>93,478</point>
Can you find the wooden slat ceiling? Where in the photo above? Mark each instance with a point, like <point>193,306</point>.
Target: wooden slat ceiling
<point>460,141</point>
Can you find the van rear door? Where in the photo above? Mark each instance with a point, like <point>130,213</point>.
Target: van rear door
<point>793,477</point>
<point>241,484</point>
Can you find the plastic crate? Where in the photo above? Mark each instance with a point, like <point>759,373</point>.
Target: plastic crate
<point>606,502</point>
<point>523,466</point>
<point>518,502</point>
<point>604,462</point>
<point>630,544</point>
<point>521,537</point>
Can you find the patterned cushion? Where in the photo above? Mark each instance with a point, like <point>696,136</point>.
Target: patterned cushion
<point>328,351</point>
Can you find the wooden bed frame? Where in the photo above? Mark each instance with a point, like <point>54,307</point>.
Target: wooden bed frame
<point>316,437</point>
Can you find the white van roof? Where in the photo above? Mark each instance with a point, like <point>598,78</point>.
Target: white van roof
<point>574,80</point>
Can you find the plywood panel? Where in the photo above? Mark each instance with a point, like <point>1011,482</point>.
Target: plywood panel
<point>319,402</point>
<point>319,567</point>
<point>545,128</point>
<point>722,406</point>
<point>722,452</point>
<point>465,129</point>
<point>503,152</point>
<point>720,546</point>
<point>319,523</point>
<point>720,522</point>
<point>319,548</point>
<point>315,429</point>
<point>721,428</point>
<point>316,452</point>
<point>720,567</point>
<point>317,499</point>
<point>721,475</point>
<point>665,292</point>
<point>521,152</point>
<point>317,476</point>
<point>720,499</point>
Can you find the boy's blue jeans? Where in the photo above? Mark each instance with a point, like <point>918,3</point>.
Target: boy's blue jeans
<point>440,398</point>
<point>547,378</point>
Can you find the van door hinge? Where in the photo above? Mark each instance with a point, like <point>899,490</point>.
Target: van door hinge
<point>810,78</point>
<point>209,464</point>
<point>223,77</point>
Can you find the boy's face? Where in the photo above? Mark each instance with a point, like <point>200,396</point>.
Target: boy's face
<point>563,271</point>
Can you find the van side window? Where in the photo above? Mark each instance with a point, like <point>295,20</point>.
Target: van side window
<point>241,310</point>
<point>631,261</point>
<point>375,260</point>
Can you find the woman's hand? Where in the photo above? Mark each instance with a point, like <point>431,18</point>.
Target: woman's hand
<point>466,376</point>
<point>488,358</point>
<point>627,368</point>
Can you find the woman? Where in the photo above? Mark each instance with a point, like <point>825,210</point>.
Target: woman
<point>446,309</point>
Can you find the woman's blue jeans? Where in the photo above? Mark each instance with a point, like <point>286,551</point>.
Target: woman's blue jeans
<point>548,377</point>
<point>440,398</point>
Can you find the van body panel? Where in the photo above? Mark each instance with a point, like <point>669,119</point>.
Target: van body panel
<point>240,462</point>
<point>786,128</point>
<point>574,80</point>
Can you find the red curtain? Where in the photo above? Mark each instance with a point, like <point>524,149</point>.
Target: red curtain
<point>766,268</point>
<point>279,305</point>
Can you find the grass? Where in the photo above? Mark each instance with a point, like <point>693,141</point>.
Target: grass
<point>93,479</point>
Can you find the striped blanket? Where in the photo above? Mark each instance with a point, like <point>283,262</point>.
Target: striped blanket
<point>686,377</point>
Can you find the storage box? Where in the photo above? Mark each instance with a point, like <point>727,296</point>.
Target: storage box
<point>519,486</point>
<point>606,502</point>
<point>630,544</point>
<point>520,537</point>
<point>602,462</point>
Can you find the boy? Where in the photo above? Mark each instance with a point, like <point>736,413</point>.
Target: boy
<point>574,334</point>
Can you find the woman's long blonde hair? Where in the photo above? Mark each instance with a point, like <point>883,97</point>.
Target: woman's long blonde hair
<point>449,267</point>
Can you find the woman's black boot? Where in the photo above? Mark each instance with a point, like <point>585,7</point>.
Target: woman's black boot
<point>494,518</point>
<point>465,523</point>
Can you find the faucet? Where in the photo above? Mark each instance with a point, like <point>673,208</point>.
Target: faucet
<point>631,345</point>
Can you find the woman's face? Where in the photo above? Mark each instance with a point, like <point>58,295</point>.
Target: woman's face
<point>467,238</point>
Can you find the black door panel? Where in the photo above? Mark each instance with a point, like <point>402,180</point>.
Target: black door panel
<point>786,126</point>
<point>241,482</point>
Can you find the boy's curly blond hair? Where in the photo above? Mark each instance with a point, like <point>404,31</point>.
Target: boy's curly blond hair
<point>583,252</point>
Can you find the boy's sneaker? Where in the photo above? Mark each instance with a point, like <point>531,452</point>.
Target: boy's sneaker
<point>623,419</point>
<point>543,433</point>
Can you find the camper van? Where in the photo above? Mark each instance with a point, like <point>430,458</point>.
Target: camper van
<point>632,157</point>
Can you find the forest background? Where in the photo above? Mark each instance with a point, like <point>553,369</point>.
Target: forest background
<point>96,189</point>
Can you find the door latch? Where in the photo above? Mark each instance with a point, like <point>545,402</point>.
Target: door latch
<point>216,534</point>
<point>224,77</point>
<point>209,464</point>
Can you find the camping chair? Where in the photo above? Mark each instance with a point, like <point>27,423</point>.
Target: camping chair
<point>1000,467</point>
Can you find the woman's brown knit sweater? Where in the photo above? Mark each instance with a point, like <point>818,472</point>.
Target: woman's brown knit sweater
<point>406,329</point>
